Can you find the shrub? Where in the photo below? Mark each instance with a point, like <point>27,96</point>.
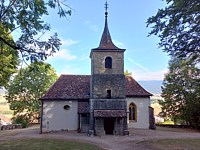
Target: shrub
<point>23,120</point>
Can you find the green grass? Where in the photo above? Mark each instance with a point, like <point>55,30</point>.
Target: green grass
<point>168,122</point>
<point>46,144</point>
<point>182,130</point>
<point>178,144</point>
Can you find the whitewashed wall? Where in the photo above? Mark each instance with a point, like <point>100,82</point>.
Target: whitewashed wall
<point>142,112</point>
<point>55,117</point>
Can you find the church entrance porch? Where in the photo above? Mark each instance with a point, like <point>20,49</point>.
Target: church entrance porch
<point>109,125</point>
<point>110,122</point>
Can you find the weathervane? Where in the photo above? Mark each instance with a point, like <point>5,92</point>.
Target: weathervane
<point>106,7</point>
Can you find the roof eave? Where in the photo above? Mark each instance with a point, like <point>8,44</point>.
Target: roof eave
<point>106,50</point>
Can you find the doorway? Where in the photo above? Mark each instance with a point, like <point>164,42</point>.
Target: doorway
<point>109,125</point>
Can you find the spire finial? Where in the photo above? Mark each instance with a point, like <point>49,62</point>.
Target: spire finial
<point>106,7</point>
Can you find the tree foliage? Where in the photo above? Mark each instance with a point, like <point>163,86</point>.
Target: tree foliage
<point>8,59</point>
<point>25,19</point>
<point>127,73</point>
<point>27,87</point>
<point>178,27</point>
<point>181,92</point>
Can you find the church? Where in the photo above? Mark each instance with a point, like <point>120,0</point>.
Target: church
<point>105,102</point>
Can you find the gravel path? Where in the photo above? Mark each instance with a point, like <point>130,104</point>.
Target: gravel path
<point>109,142</point>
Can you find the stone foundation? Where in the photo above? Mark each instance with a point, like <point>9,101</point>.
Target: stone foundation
<point>10,127</point>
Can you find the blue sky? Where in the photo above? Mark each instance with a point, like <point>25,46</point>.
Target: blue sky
<point>126,20</point>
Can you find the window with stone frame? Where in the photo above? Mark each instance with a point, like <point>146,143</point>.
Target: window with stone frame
<point>108,62</point>
<point>132,112</point>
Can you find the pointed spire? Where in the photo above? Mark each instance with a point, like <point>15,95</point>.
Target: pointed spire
<point>106,40</point>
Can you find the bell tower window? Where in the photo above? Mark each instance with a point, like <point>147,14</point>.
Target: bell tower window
<point>108,94</point>
<point>108,62</point>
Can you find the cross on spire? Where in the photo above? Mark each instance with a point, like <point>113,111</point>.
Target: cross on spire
<point>106,7</point>
<point>106,40</point>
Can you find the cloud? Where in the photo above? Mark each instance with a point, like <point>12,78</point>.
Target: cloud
<point>47,35</point>
<point>65,42</point>
<point>63,54</point>
<point>139,65</point>
<point>68,69</point>
<point>119,44</point>
<point>91,26</point>
<point>141,75</point>
<point>68,42</point>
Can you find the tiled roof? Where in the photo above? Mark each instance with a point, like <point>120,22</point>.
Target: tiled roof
<point>83,106</point>
<point>133,88</point>
<point>69,87</point>
<point>106,40</point>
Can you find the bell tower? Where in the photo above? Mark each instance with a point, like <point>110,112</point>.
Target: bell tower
<point>107,86</point>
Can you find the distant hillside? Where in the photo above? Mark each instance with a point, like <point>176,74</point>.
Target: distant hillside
<point>152,86</point>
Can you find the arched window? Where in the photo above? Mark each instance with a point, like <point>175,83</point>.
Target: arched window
<point>108,62</point>
<point>132,112</point>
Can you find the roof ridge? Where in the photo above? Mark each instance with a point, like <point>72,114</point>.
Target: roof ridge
<point>75,75</point>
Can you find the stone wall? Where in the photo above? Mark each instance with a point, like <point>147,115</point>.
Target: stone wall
<point>109,104</point>
<point>119,126</point>
<point>98,62</point>
<point>101,83</point>
<point>10,126</point>
<point>99,126</point>
<point>151,119</point>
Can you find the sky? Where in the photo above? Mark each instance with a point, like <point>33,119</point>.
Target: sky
<point>82,31</point>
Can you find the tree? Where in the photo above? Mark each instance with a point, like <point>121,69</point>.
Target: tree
<point>181,92</point>
<point>8,59</point>
<point>25,17</point>
<point>126,73</point>
<point>178,27</point>
<point>27,87</point>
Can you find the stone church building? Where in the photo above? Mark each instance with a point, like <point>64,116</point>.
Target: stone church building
<point>105,102</point>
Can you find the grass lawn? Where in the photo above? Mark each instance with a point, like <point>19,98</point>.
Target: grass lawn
<point>172,144</point>
<point>182,130</point>
<point>46,144</point>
